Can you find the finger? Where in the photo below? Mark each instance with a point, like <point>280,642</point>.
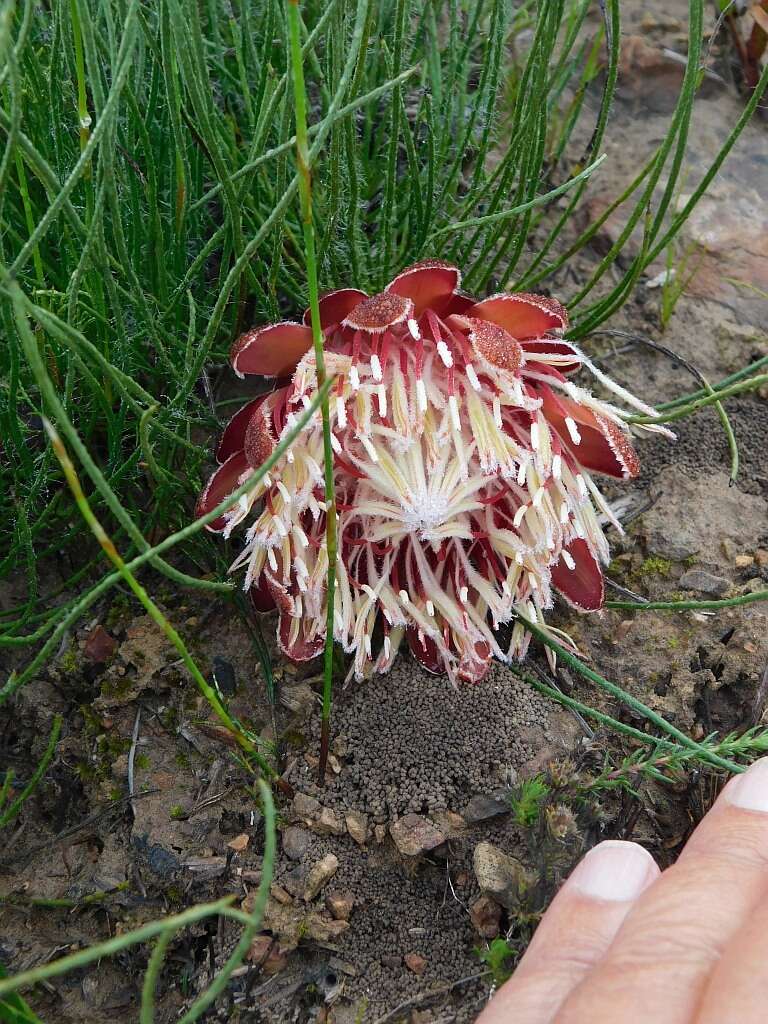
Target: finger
<point>574,933</point>
<point>737,989</point>
<point>659,963</point>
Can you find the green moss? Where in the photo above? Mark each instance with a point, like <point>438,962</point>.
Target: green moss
<point>655,566</point>
<point>69,662</point>
<point>177,812</point>
<point>142,761</point>
<point>170,719</point>
<point>617,568</point>
<point>115,687</point>
<point>118,611</point>
<point>174,895</point>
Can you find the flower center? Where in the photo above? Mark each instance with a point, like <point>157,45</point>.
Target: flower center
<point>424,511</point>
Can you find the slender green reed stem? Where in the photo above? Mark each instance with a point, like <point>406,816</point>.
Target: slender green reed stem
<point>682,606</point>
<point>74,613</point>
<point>493,218</point>
<point>717,395</point>
<point>628,699</point>
<point>305,191</point>
<point>151,977</point>
<point>244,741</point>
<point>758,364</point>
<point>13,809</point>
<point>237,955</point>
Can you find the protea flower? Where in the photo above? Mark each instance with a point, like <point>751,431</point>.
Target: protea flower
<point>463,462</point>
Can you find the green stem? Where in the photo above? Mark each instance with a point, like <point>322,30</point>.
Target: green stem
<point>83,117</point>
<point>218,985</point>
<point>681,606</point>
<point>547,197</point>
<point>731,379</point>
<point>305,193</point>
<point>151,975</point>
<point>90,954</point>
<point>18,803</point>
<point>151,608</point>
<point>74,613</point>
<point>717,396</point>
<point>628,699</point>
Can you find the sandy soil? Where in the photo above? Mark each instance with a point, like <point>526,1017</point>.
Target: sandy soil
<point>421,775</point>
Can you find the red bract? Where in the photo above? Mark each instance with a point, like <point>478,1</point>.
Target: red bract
<point>463,456</point>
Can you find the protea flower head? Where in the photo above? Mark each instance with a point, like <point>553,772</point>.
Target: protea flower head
<point>463,463</point>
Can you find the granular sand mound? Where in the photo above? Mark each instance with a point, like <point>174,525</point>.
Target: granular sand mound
<point>416,744</point>
<point>396,915</point>
<point>399,912</point>
<point>701,445</point>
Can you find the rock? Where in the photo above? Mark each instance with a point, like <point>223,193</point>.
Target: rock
<point>357,826</point>
<point>416,963</point>
<point>340,905</point>
<point>305,807</point>
<point>260,947</point>
<point>422,1017</point>
<point>224,675</point>
<point>276,961</point>
<point>761,557</point>
<point>324,929</point>
<point>328,823</point>
<point>239,843</point>
<point>296,842</point>
<point>344,966</point>
<point>379,832</point>
<point>649,75</point>
<point>728,548</point>
<point>206,867</point>
<point>298,698</point>
<point>415,835</point>
<point>700,514</point>
<point>340,746</point>
<point>497,874</point>
<point>295,880</point>
<point>704,583</point>
<point>320,873</point>
<point>160,861</point>
<point>482,807</point>
<point>753,586</point>
<point>744,561</point>
<point>485,915</point>
<point>278,893</point>
<point>450,823</point>
<point>285,922</point>
<point>100,646</point>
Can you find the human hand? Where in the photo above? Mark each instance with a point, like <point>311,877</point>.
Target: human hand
<point>623,943</point>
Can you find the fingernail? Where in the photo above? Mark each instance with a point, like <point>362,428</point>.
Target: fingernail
<point>750,790</point>
<point>615,870</point>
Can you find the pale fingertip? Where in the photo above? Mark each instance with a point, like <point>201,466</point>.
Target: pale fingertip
<point>614,870</point>
<point>750,790</point>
